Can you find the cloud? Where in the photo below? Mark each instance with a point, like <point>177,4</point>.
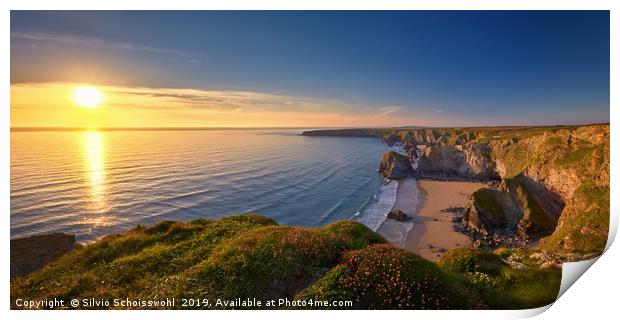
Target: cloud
<point>387,110</point>
<point>50,104</point>
<point>47,38</point>
<point>221,100</point>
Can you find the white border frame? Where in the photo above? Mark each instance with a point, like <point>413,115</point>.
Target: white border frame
<point>597,300</point>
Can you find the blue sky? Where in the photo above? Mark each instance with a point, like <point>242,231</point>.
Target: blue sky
<point>511,67</point>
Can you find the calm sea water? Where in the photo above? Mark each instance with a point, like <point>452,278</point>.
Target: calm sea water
<point>94,183</point>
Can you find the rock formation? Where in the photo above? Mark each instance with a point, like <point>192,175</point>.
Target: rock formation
<point>457,163</point>
<point>398,215</point>
<point>395,165</point>
<point>412,151</point>
<point>547,182</point>
<point>519,207</point>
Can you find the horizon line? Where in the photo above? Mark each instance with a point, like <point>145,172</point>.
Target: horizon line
<point>26,129</point>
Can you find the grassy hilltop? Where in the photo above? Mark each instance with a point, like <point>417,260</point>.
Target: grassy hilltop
<point>251,256</point>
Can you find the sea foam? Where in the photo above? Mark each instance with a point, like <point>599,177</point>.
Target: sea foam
<point>375,210</point>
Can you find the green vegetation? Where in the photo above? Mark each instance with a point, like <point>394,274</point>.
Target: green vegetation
<point>498,284</point>
<point>581,155</point>
<point>386,277</point>
<point>553,141</point>
<point>135,264</point>
<point>584,226</point>
<point>466,260</point>
<point>516,158</point>
<point>393,154</point>
<point>534,218</point>
<point>485,200</point>
<point>250,256</point>
<point>236,257</point>
<point>514,133</point>
<point>273,262</point>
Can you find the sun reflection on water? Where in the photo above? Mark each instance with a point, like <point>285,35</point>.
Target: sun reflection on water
<point>94,161</point>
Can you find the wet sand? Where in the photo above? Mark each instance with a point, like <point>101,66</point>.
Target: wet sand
<point>432,232</point>
<point>409,199</point>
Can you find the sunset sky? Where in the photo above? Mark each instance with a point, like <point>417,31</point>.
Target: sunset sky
<point>310,69</point>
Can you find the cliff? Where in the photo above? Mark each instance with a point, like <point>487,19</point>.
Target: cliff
<point>395,166</point>
<point>559,179</point>
<point>252,257</point>
<point>469,162</point>
<point>32,253</point>
<point>549,183</point>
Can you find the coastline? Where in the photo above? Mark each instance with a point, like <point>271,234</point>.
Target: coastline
<point>409,199</point>
<point>432,233</point>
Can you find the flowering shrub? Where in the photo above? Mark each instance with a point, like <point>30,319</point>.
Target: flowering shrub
<point>274,262</point>
<point>386,277</point>
<point>520,283</point>
<point>251,256</point>
<point>462,260</point>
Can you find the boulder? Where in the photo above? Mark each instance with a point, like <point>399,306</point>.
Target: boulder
<point>395,165</point>
<point>398,215</point>
<point>486,214</point>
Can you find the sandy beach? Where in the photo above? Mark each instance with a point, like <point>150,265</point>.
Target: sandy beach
<point>409,199</point>
<point>432,232</point>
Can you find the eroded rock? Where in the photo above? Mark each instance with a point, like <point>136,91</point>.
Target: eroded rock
<point>395,166</point>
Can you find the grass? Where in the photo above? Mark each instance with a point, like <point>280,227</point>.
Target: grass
<point>273,262</point>
<point>581,155</point>
<point>499,285</point>
<point>238,256</point>
<point>465,260</point>
<point>583,227</point>
<point>250,256</point>
<point>515,158</point>
<point>393,154</point>
<point>554,141</point>
<point>486,201</point>
<point>135,263</point>
<point>386,277</point>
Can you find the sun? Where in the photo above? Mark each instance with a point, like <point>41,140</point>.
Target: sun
<point>87,97</point>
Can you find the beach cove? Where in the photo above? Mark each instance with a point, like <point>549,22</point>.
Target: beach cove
<point>433,233</point>
<point>430,231</point>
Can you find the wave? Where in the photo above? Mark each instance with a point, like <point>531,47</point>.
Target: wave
<point>374,212</point>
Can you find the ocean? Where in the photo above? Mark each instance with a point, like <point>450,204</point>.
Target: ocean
<point>93,183</point>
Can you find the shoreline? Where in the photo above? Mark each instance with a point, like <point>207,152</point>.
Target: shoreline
<point>432,233</point>
<point>409,199</point>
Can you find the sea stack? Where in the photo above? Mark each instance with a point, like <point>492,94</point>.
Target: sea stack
<point>395,165</point>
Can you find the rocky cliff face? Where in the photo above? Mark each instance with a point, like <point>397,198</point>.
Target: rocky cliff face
<point>519,207</point>
<point>412,151</point>
<point>552,182</point>
<point>395,166</point>
<point>554,186</point>
<point>445,161</point>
